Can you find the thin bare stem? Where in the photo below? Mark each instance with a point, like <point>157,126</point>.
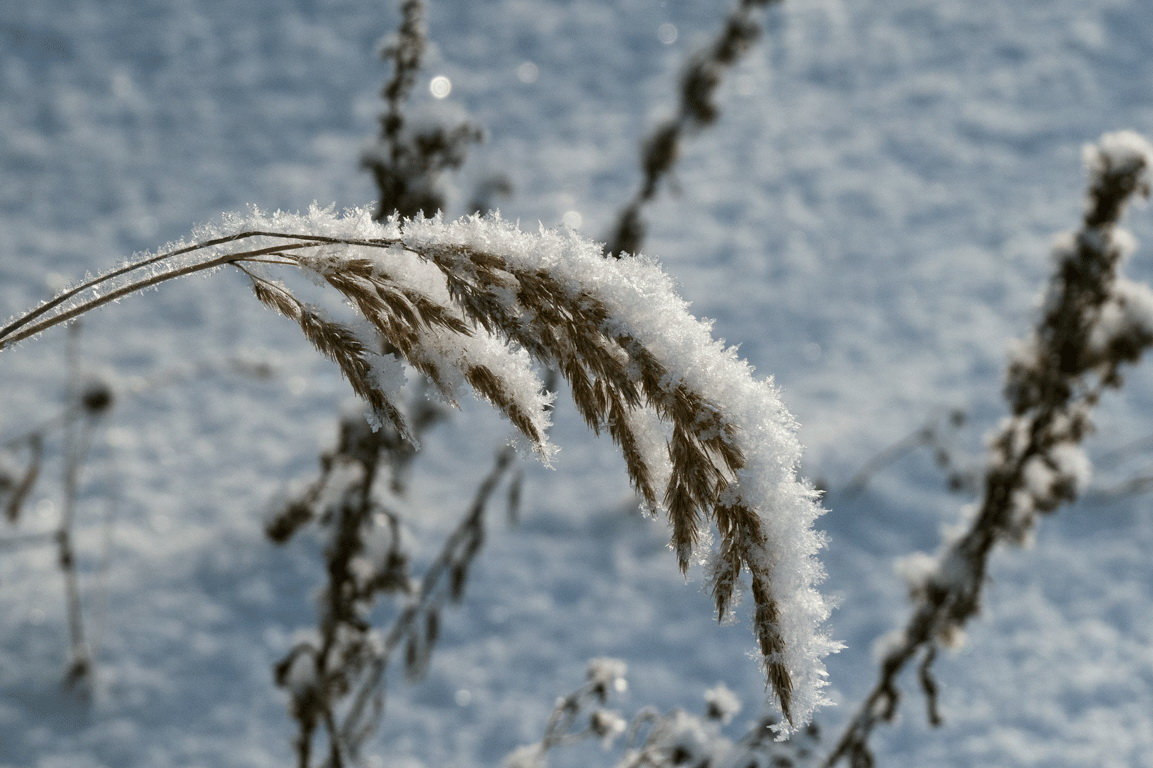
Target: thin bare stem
<point>6,333</point>
<point>9,338</point>
<point>927,435</point>
<point>91,304</point>
<point>78,445</point>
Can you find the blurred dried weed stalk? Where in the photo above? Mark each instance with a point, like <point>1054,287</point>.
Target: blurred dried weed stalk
<point>934,435</point>
<point>367,560</point>
<point>365,556</point>
<point>1094,322</point>
<point>26,479</point>
<point>88,401</point>
<point>408,161</point>
<point>697,109</point>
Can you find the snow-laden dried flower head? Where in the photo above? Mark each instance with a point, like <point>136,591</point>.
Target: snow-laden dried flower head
<point>721,703</point>
<point>606,676</point>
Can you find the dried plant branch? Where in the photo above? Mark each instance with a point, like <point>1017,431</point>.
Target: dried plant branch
<point>88,403</point>
<point>80,665</point>
<point>696,110</point>
<point>407,163</point>
<point>340,678</point>
<point>405,53</point>
<point>416,627</point>
<point>364,558</point>
<point>14,490</point>
<point>1094,322</point>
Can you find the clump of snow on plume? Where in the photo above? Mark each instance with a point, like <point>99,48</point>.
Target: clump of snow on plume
<point>1127,312</point>
<point>684,736</point>
<point>1039,476</point>
<point>1072,464</point>
<point>652,443</point>
<point>917,569</point>
<point>1136,301</point>
<point>302,673</point>
<point>608,725</point>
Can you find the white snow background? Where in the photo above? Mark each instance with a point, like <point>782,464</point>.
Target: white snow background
<point>869,221</point>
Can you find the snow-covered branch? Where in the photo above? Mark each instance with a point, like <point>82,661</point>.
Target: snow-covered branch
<point>475,302</point>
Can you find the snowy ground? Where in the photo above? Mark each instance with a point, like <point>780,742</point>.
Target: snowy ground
<point>869,221</point>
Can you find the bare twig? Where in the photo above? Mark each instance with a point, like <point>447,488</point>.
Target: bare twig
<point>929,435</point>
<point>77,445</point>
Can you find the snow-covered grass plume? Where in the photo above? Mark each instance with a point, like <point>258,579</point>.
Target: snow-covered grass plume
<point>476,301</point>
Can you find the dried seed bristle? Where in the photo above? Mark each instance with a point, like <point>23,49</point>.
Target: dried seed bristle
<point>336,342</point>
<point>488,384</point>
<point>767,621</point>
